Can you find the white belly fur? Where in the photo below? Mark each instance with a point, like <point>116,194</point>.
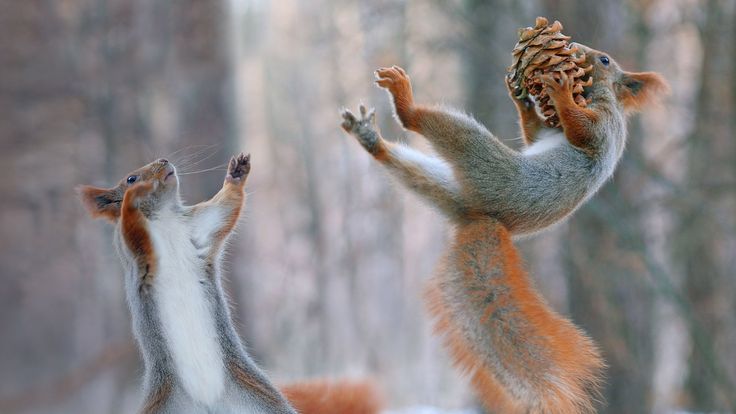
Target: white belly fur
<point>186,315</point>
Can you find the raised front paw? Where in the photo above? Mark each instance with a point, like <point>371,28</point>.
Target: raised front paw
<point>364,129</point>
<point>397,82</point>
<point>520,98</point>
<point>238,169</point>
<point>558,91</point>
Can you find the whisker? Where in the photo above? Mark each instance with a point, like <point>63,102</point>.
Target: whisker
<point>188,147</point>
<point>219,167</point>
<point>187,159</point>
<point>195,163</point>
<point>204,150</point>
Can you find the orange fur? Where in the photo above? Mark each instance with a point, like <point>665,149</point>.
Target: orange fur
<point>529,119</point>
<point>636,90</point>
<point>530,124</point>
<point>232,196</point>
<point>399,85</point>
<point>325,397</point>
<point>554,366</point>
<point>100,202</point>
<point>576,122</point>
<point>381,153</point>
<point>135,231</point>
<point>493,395</point>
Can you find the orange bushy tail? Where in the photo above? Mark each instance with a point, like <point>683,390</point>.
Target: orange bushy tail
<point>339,397</point>
<point>520,355</point>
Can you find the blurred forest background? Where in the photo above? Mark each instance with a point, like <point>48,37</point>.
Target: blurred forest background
<point>327,270</point>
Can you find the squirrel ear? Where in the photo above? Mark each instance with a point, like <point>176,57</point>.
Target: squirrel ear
<point>635,90</point>
<point>100,202</point>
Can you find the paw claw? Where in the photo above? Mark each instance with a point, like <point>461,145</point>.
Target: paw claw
<point>397,82</point>
<point>351,123</point>
<point>384,72</point>
<point>363,128</point>
<point>399,69</point>
<point>239,167</point>
<point>384,83</point>
<point>363,111</point>
<point>349,120</point>
<point>347,115</point>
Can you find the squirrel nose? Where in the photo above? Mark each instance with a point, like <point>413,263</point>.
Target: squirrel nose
<point>163,161</point>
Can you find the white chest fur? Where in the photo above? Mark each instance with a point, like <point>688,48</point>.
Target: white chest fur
<point>546,140</point>
<point>186,315</point>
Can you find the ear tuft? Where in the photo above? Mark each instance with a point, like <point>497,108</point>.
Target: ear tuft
<point>100,202</point>
<point>636,90</point>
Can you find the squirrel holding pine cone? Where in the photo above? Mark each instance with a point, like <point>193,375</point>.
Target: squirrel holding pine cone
<point>521,356</point>
<point>477,175</point>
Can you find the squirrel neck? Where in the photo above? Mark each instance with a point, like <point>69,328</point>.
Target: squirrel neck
<point>169,207</point>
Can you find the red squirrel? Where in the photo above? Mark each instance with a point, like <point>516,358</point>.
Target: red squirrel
<point>521,356</point>
<point>194,359</point>
<point>529,190</point>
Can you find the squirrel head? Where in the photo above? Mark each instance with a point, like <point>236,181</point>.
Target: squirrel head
<point>632,90</point>
<point>105,202</point>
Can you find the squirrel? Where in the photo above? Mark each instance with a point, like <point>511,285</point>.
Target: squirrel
<point>520,355</point>
<point>527,191</point>
<point>172,254</point>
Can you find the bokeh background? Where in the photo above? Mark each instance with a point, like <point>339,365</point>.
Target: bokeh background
<point>327,270</point>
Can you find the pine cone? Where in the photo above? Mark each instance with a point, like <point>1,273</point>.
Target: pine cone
<point>544,49</point>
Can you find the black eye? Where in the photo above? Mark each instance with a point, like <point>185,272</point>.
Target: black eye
<point>132,179</point>
<point>604,60</point>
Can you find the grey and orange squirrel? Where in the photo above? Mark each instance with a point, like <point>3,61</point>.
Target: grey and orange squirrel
<point>521,356</point>
<point>194,359</point>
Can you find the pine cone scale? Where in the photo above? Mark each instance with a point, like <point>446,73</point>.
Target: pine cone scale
<point>543,49</point>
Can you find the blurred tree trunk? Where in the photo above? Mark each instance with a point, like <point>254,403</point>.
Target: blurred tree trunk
<point>608,292</point>
<point>703,230</point>
<point>490,34</point>
<point>90,90</point>
<point>185,86</point>
<point>386,44</point>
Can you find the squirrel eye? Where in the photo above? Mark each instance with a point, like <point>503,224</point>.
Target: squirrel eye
<point>132,179</point>
<point>604,60</point>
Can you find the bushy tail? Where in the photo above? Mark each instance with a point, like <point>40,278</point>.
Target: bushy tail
<point>338,397</point>
<point>521,356</point>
